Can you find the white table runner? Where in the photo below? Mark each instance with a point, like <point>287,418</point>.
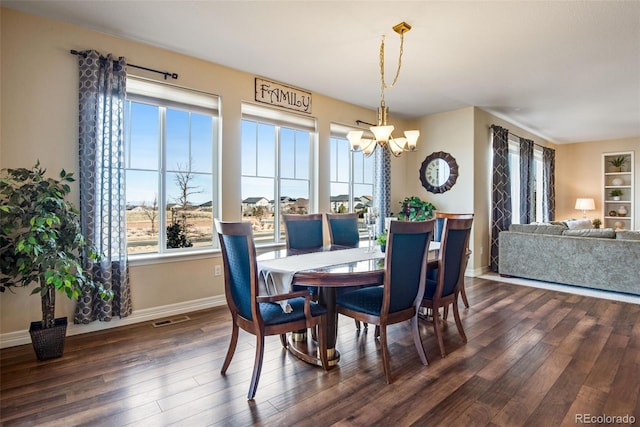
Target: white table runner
<point>278,273</point>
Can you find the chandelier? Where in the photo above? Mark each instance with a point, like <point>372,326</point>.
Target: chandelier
<point>382,132</point>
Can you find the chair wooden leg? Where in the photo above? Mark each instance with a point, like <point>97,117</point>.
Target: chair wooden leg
<point>436,329</point>
<point>445,312</point>
<point>385,353</point>
<point>417,340</point>
<point>376,333</point>
<point>456,315</point>
<point>257,366</point>
<point>358,324</point>
<point>464,295</point>
<point>232,347</point>
<point>283,340</point>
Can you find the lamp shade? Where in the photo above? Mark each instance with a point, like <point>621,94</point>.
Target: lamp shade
<point>585,204</point>
<point>382,133</point>
<point>412,138</point>
<point>355,137</point>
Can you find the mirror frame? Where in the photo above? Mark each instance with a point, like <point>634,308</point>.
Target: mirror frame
<point>453,172</point>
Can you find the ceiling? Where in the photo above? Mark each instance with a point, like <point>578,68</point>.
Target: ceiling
<point>567,71</point>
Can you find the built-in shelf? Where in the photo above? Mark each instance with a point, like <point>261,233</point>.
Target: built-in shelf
<point>622,180</point>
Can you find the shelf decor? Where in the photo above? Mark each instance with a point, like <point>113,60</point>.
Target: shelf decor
<point>618,190</point>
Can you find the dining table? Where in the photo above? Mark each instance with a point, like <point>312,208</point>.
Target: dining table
<point>328,269</point>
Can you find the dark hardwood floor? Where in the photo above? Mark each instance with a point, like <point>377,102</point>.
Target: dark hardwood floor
<point>533,357</point>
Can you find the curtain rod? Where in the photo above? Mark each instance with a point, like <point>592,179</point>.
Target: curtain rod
<point>166,74</point>
<point>519,137</point>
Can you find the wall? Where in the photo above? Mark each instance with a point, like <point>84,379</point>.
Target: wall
<point>579,174</point>
<point>451,132</point>
<point>38,113</point>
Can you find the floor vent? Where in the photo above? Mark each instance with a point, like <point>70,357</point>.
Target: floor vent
<point>167,322</point>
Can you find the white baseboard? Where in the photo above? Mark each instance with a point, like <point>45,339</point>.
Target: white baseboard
<point>577,290</point>
<point>476,272</point>
<point>11,339</point>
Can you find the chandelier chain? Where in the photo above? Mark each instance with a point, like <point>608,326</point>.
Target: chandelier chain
<point>395,79</point>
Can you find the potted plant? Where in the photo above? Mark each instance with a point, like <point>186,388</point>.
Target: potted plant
<point>382,240</point>
<point>618,162</point>
<point>41,244</point>
<point>596,223</point>
<point>615,194</point>
<point>415,209</point>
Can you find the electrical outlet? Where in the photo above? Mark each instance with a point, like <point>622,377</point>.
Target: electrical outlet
<point>217,270</point>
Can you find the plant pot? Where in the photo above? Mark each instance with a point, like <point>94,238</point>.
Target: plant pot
<point>48,343</point>
<point>616,198</point>
<point>383,248</point>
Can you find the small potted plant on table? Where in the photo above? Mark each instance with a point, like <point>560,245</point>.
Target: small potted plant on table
<point>41,244</point>
<point>382,240</point>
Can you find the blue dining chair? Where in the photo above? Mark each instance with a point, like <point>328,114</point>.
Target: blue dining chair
<point>444,291</point>
<point>260,314</point>
<point>303,232</point>
<point>440,219</point>
<point>400,295</point>
<point>343,229</point>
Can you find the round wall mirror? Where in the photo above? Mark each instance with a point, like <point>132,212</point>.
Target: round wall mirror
<point>439,171</point>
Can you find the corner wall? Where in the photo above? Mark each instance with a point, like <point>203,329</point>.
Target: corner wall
<point>579,174</point>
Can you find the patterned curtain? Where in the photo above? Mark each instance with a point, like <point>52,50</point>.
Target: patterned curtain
<point>382,187</point>
<point>501,191</point>
<point>548,184</point>
<point>526,181</point>
<point>102,185</point>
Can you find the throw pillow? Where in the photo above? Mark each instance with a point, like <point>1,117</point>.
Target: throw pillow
<point>579,224</point>
<point>601,233</point>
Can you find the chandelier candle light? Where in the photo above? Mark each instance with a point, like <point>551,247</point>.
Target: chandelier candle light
<point>382,132</point>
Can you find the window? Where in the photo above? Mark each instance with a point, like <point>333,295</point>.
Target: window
<point>171,137</point>
<point>276,166</point>
<point>351,175</point>
<point>514,167</point>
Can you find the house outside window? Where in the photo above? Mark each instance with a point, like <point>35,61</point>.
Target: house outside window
<point>276,176</point>
<point>171,140</point>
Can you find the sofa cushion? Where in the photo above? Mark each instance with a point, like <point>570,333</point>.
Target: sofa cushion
<point>579,224</point>
<point>538,228</point>
<point>627,235</point>
<point>601,233</point>
<point>562,223</point>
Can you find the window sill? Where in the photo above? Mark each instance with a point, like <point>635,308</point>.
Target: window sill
<point>150,259</point>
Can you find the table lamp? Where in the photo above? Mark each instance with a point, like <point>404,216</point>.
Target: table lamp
<point>585,205</point>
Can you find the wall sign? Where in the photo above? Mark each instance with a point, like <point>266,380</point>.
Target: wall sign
<point>280,95</point>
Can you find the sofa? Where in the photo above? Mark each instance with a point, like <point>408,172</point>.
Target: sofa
<point>604,259</point>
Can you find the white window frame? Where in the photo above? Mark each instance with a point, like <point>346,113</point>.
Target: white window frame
<point>280,119</point>
<point>339,133</point>
<point>163,96</point>
<point>514,168</point>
